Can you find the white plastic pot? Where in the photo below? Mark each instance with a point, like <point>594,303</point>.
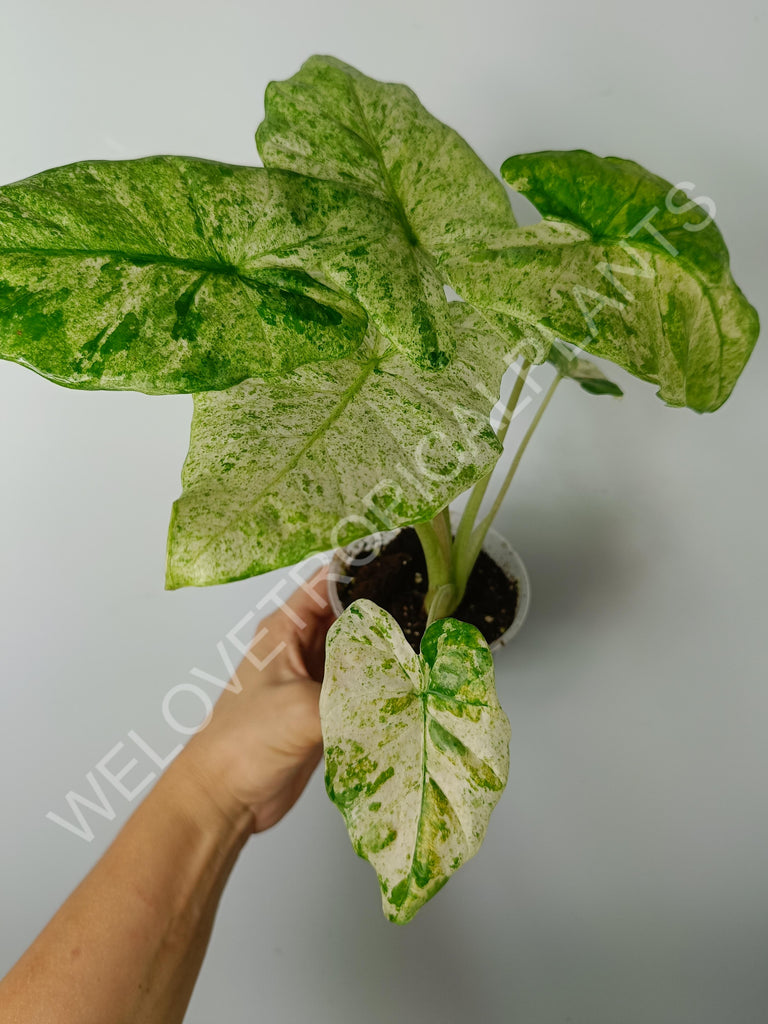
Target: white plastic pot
<point>362,551</point>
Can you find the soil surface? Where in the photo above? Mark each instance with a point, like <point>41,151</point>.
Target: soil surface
<point>397,581</point>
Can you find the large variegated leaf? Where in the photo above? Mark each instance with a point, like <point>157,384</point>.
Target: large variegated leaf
<point>624,265</point>
<point>416,748</point>
<point>330,121</point>
<point>336,451</point>
<point>170,274</point>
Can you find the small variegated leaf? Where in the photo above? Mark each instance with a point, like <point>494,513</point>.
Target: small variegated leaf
<point>416,748</point>
<point>333,452</point>
<point>589,376</point>
<point>624,265</point>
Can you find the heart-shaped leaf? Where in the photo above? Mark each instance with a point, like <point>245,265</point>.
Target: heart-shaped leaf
<point>416,748</point>
<point>333,452</point>
<point>623,265</point>
<point>331,121</point>
<point>171,274</point>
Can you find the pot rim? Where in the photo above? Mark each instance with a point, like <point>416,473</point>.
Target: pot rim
<point>496,546</point>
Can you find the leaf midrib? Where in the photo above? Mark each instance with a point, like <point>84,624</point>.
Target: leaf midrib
<point>383,169</point>
<point>343,402</point>
<point>145,259</point>
<point>425,715</point>
<point>410,235</point>
<point>184,263</point>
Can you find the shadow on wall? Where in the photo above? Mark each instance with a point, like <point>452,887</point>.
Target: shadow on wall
<point>582,562</point>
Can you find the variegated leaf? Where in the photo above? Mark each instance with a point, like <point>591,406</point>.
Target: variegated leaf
<point>416,748</point>
<point>170,274</point>
<point>331,121</point>
<point>334,452</point>
<point>624,266</point>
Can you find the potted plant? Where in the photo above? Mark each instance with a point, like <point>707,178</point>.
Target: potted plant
<point>340,391</point>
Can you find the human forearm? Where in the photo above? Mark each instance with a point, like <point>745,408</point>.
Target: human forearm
<point>127,945</point>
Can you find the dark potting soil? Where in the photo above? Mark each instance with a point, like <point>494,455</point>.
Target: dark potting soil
<point>396,579</point>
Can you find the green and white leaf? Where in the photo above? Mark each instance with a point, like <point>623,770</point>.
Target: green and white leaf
<point>171,274</point>
<point>623,265</point>
<point>331,121</point>
<point>336,451</point>
<point>416,748</point>
<point>589,376</point>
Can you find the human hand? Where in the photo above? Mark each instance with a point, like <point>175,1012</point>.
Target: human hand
<point>166,870</point>
<point>261,745</point>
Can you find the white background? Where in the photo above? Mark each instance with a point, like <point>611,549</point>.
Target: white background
<point>625,875</point>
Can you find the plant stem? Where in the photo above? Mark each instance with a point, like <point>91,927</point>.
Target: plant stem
<point>514,397</point>
<point>477,493</point>
<point>436,555</point>
<point>519,454</point>
<point>467,554</point>
<point>443,603</point>
<point>442,525</point>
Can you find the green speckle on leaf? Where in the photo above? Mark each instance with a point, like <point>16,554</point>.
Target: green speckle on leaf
<point>390,703</point>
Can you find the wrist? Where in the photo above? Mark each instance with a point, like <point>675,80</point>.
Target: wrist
<point>199,788</point>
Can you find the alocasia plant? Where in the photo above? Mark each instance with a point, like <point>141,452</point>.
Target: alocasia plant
<point>338,389</point>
